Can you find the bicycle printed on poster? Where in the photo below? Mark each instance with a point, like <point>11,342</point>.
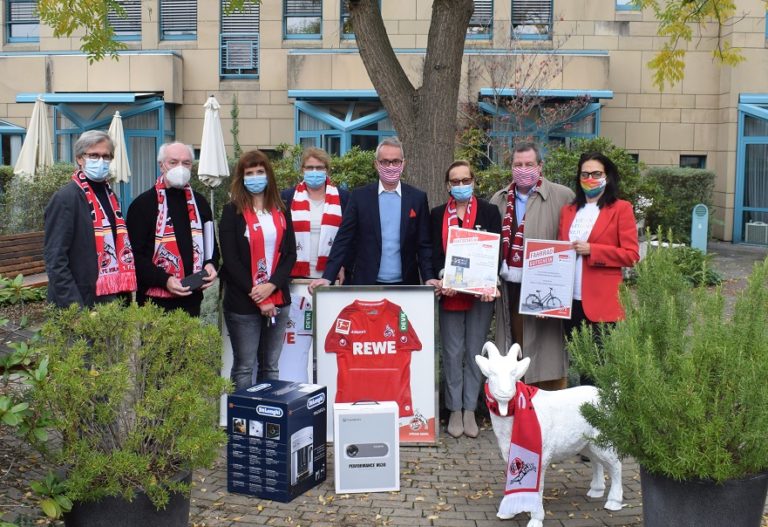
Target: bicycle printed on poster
<point>377,343</point>
<point>549,268</point>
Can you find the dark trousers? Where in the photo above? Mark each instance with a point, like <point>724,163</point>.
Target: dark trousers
<point>577,319</point>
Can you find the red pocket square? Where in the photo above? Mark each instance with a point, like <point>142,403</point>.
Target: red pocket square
<point>412,214</point>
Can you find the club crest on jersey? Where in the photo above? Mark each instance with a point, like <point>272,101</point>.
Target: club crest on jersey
<point>342,326</point>
<point>389,332</point>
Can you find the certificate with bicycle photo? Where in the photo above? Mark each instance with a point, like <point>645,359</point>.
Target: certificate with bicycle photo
<point>471,261</point>
<point>549,268</point>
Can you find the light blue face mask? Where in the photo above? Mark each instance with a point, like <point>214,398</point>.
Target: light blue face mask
<point>462,192</point>
<point>96,169</point>
<point>314,178</point>
<point>255,184</point>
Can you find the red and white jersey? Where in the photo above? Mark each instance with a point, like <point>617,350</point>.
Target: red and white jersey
<point>297,343</point>
<point>373,342</point>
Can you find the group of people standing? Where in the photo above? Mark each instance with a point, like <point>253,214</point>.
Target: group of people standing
<point>382,233</point>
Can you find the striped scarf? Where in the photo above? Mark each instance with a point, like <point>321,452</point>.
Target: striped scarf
<point>461,301</point>
<point>116,266</point>
<point>329,226</point>
<point>167,254</point>
<point>512,246</point>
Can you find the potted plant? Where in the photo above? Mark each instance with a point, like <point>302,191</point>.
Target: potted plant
<point>683,391</point>
<point>130,399</point>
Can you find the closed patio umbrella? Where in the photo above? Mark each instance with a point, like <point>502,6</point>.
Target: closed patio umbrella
<point>119,167</point>
<point>213,165</point>
<point>36,151</point>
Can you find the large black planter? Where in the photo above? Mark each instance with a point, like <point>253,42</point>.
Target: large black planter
<point>734,503</point>
<point>117,512</point>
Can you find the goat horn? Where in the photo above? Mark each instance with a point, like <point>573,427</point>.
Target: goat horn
<point>490,348</point>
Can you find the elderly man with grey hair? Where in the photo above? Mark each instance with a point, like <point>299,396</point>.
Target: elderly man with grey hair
<point>384,234</point>
<point>88,255</point>
<point>167,225</point>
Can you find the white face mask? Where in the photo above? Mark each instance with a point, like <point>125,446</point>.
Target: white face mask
<point>178,177</point>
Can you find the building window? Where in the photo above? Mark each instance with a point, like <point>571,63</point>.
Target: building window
<point>635,157</point>
<point>303,19</point>
<point>626,5</point>
<point>178,19</point>
<point>337,126</point>
<point>22,23</point>
<point>687,161</point>
<point>239,42</point>
<point>481,23</point>
<point>532,19</point>
<point>11,138</point>
<point>128,25</point>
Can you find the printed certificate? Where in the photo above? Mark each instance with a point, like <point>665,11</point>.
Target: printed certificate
<point>549,268</point>
<point>471,261</point>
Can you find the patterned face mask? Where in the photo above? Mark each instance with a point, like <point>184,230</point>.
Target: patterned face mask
<point>526,177</point>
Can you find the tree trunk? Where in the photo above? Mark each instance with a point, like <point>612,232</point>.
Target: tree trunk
<point>425,116</point>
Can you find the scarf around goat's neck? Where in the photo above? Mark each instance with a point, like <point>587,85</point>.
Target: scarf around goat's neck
<point>523,471</point>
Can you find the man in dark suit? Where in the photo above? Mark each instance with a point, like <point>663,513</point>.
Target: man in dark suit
<point>384,233</point>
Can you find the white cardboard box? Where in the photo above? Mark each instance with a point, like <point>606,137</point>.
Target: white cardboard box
<point>366,447</point>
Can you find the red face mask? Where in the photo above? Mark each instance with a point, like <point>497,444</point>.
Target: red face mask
<point>526,177</point>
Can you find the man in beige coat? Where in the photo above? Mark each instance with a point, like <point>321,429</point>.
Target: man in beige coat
<point>530,208</point>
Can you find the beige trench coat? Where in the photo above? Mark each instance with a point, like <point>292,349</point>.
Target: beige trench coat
<point>543,338</point>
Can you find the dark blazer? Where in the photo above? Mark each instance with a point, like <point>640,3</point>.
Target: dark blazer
<point>487,219</point>
<point>613,245</point>
<point>70,249</point>
<point>288,193</point>
<point>358,242</point>
<point>141,223</point>
<point>236,262</point>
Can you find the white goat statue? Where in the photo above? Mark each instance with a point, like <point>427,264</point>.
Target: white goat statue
<point>564,431</point>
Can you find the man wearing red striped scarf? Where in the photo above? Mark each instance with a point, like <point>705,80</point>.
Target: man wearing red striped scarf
<point>530,208</point>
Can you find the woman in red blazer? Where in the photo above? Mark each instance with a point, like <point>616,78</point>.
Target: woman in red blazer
<point>603,231</point>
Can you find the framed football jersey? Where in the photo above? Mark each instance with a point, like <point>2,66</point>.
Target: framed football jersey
<point>377,343</point>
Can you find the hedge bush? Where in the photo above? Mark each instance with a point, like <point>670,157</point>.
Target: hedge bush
<point>6,175</point>
<point>560,166</point>
<point>22,206</point>
<point>683,188</point>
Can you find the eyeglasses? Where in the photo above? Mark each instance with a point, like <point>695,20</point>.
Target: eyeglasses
<point>390,162</point>
<point>597,174</point>
<point>95,157</point>
<point>175,162</point>
<point>457,182</point>
<point>314,167</point>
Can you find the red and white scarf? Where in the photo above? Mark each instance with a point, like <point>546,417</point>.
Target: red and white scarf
<point>259,272</point>
<point>523,473</point>
<point>167,254</point>
<point>329,226</point>
<point>460,301</point>
<point>114,257</point>
<point>512,245</point>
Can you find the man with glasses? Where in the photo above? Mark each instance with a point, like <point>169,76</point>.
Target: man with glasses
<point>167,225</point>
<point>88,256</point>
<point>384,233</point>
<point>530,208</point>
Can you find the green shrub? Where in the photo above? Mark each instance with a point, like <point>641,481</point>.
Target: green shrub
<point>683,188</point>
<point>560,166</point>
<point>491,180</point>
<point>6,175</point>
<point>682,386</point>
<point>132,394</point>
<point>23,205</point>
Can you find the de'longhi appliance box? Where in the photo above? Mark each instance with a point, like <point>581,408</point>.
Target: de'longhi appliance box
<point>366,447</point>
<point>276,444</point>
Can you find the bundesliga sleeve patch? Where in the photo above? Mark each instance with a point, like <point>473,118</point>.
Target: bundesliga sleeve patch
<point>342,326</point>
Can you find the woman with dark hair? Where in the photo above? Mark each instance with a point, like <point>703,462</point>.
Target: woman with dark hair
<point>258,249</point>
<point>464,318</point>
<point>603,232</point>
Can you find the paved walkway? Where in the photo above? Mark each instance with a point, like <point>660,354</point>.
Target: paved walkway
<point>458,482</point>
